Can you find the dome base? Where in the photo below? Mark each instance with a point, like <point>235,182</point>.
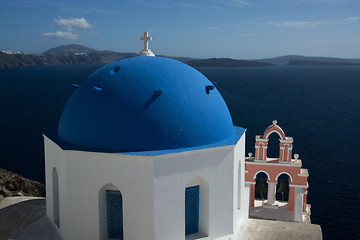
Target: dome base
<point>147,53</point>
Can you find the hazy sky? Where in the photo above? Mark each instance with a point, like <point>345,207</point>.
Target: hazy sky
<point>241,29</point>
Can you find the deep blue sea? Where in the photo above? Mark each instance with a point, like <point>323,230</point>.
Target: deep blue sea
<point>318,106</point>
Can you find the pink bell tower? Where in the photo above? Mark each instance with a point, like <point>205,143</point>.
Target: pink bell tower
<point>297,207</point>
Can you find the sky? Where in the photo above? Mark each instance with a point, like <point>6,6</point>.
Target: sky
<point>239,29</point>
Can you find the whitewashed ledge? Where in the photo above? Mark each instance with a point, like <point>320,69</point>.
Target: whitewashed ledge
<point>256,229</point>
<point>25,218</point>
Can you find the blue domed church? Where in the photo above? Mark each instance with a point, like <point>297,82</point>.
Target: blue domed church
<point>146,149</point>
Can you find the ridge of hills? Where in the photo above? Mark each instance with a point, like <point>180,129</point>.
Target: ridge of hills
<point>71,48</point>
<point>294,62</point>
<point>62,55</point>
<point>226,62</point>
<point>74,54</point>
<point>300,60</point>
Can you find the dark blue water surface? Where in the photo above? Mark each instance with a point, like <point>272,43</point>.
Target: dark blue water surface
<point>318,106</point>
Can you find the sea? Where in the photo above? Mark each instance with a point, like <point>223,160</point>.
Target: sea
<point>318,106</point>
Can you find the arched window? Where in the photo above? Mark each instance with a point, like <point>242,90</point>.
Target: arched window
<point>56,211</point>
<point>114,211</point>
<point>197,207</point>
<point>111,213</point>
<point>192,210</point>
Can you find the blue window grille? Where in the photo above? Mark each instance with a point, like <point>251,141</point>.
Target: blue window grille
<point>191,210</point>
<point>114,214</point>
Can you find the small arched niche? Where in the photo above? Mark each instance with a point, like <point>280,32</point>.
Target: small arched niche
<point>56,210</point>
<point>239,187</point>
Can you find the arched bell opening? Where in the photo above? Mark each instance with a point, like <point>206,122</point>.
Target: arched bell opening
<point>282,188</point>
<point>273,148</point>
<point>261,186</point>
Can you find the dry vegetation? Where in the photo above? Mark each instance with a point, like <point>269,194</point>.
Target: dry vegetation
<point>12,184</point>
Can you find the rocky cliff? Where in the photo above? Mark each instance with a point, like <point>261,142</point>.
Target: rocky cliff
<point>12,184</point>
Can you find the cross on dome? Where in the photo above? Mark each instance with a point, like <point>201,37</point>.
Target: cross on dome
<point>146,40</point>
<point>146,51</point>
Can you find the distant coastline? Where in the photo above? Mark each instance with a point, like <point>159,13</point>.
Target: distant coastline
<point>80,55</point>
<point>320,63</point>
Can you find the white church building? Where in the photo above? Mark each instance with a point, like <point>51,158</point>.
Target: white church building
<point>146,149</point>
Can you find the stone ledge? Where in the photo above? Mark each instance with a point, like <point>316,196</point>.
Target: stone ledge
<point>16,213</point>
<point>257,229</point>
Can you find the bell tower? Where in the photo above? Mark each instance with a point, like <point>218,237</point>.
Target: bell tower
<point>285,144</point>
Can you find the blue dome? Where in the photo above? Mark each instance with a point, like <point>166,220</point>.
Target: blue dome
<point>142,104</point>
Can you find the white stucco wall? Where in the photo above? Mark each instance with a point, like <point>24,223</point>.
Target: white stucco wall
<point>86,173</point>
<point>130,174</point>
<point>153,191</point>
<point>173,173</point>
<point>241,196</point>
<point>55,158</point>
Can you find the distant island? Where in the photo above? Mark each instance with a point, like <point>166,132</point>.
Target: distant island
<point>302,60</point>
<point>320,63</point>
<point>63,55</point>
<point>226,62</point>
<point>79,55</point>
